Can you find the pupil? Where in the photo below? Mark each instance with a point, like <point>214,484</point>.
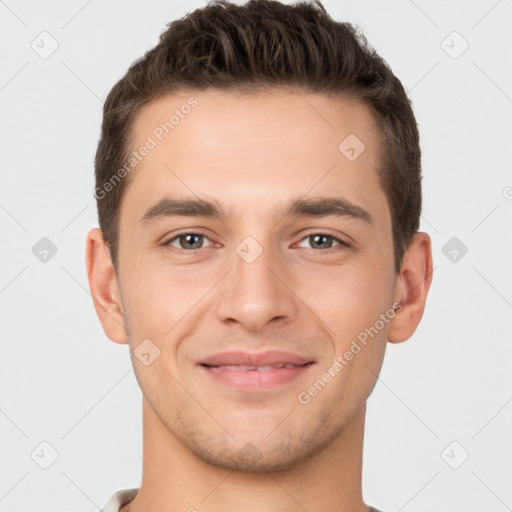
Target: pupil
<point>189,240</point>
<point>316,238</point>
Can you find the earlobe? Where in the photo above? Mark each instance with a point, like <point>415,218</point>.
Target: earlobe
<point>104,287</point>
<point>414,281</point>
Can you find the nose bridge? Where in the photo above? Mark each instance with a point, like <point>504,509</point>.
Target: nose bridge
<point>252,293</point>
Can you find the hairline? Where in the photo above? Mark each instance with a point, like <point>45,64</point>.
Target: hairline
<point>247,90</point>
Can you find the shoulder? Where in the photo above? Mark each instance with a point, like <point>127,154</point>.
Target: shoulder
<point>119,499</point>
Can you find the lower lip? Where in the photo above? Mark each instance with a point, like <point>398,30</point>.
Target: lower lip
<point>255,379</point>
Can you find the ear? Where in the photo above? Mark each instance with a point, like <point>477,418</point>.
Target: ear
<point>412,287</point>
<point>104,287</point>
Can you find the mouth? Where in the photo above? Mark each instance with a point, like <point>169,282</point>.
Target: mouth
<point>255,368</point>
<point>255,372</point>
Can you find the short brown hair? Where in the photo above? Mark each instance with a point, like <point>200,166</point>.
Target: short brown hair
<point>265,44</point>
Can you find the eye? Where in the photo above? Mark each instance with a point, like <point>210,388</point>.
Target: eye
<point>188,241</point>
<point>324,242</point>
<point>192,241</point>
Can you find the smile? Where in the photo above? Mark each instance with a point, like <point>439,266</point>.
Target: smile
<point>255,368</point>
<point>247,378</point>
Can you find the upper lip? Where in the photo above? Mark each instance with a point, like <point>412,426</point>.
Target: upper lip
<point>255,359</point>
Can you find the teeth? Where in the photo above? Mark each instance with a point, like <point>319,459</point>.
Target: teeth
<point>235,367</point>
<point>258,368</point>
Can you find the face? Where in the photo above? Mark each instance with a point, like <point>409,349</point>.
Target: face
<point>286,260</point>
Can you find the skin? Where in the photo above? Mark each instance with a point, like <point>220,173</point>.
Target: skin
<point>253,154</point>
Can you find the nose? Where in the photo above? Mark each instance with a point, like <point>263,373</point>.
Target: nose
<point>256,293</point>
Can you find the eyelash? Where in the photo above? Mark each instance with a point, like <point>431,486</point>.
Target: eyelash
<point>342,245</point>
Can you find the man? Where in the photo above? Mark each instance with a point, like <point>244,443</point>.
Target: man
<point>258,181</point>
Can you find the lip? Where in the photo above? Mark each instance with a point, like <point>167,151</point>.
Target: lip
<point>254,379</point>
<point>255,359</point>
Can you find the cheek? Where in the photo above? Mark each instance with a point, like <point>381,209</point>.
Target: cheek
<point>347,299</point>
<point>161,299</point>
<point>149,301</point>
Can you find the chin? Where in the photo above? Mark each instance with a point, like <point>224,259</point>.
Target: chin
<point>249,459</point>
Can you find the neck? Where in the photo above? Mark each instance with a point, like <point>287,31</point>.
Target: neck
<point>174,479</point>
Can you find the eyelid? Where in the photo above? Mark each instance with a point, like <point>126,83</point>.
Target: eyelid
<point>326,232</point>
<point>184,233</point>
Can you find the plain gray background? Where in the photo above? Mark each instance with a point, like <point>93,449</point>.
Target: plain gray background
<point>442,396</point>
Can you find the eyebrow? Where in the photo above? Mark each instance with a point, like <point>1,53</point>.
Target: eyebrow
<point>314,207</point>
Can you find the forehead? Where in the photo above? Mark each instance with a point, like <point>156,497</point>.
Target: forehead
<point>251,151</point>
